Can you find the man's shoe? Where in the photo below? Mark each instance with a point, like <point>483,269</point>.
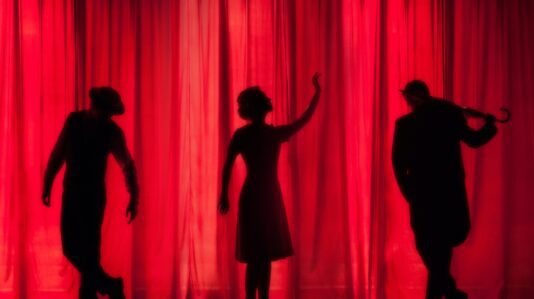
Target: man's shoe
<point>456,294</point>
<point>116,290</point>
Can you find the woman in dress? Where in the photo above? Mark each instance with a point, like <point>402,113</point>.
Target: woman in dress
<point>262,229</point>
<point>84,144</point>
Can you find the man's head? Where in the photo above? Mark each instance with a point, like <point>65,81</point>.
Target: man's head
<point>416,92</point>
<point>106,101</point>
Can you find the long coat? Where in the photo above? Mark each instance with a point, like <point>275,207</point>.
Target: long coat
<point>428,166</point>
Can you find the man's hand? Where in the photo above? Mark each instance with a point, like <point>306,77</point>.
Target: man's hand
<point>490,118</point>
<point>131,210</point>
<point>224,205</point>
<point>45,198</point>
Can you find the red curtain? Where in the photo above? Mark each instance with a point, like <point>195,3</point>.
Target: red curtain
<point>179,66</point>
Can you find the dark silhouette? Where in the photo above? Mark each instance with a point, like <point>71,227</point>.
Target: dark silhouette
<point>84,144</point>
<point>428,166</point>
<point>262,230</point>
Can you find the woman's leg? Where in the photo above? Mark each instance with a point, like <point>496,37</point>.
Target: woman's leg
<point>251,280</point>
<point>264,279</point>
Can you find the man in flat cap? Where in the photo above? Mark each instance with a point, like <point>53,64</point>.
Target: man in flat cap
<point>428,166</point>
<point>85,142</point>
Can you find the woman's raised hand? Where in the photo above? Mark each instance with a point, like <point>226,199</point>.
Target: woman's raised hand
<point>315,81</point>
<point>224,204</point>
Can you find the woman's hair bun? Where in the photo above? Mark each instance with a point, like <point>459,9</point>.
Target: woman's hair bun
<point>253,103</point>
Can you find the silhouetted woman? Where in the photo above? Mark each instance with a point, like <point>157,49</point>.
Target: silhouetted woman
<point>84,144</point>
<point>262,229</point>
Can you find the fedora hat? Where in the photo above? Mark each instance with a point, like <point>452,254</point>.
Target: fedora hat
<point>416,87</point>
<point>106,99</point>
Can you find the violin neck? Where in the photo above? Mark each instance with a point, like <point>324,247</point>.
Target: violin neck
<point>473,113</point>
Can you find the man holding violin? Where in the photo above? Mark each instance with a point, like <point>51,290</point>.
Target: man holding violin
<point>428,166</point>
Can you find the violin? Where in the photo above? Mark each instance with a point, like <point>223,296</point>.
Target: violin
<point>471,112</point>
<point>505,117</point>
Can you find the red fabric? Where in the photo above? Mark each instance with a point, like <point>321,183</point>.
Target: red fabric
<point>179,66</point>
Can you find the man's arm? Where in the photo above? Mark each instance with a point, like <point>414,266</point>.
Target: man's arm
<point>56,160</point>
<point>400,162</point>
<point>123,157</point>
<point>476,138</point>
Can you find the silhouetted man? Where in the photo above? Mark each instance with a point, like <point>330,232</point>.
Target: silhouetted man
<point>427,160</point>
<point>84,144</point>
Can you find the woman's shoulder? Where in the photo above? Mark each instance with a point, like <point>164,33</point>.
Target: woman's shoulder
<point>114,127</point>
<point>241,131</point>
<point>253,129</point>
<point>75,117</point>
<point>248,128</point>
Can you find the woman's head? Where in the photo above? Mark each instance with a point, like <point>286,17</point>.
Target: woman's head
<point>106,100</point>
<point>253,104</point>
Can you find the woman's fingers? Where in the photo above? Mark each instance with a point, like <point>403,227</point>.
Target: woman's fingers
<point>223,207</point>
<point>315,79</point>
<point>46,200</point>
<point>131,212</point>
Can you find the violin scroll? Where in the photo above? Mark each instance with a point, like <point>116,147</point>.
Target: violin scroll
<point>506,115</point>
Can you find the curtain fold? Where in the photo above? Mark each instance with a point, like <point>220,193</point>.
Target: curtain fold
<point>179,66</point>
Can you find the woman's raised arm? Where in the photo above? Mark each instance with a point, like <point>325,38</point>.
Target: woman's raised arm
<point>287,131</point>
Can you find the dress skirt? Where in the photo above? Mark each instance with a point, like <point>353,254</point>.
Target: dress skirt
<point>262,227</point>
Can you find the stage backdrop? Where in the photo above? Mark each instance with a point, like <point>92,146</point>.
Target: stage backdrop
<point>179,66</point>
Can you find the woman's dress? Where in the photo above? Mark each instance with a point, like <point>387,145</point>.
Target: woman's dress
<point>262,228</point>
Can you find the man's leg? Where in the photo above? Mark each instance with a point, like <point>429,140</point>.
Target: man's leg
<point>451,292</point>
<point>72,249</point>
<point>447,281</point>
<point>87,287</point>
<point>442,268</point>
<point>109,285</point>
<point>93,277</point>
<point>432,256</point>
